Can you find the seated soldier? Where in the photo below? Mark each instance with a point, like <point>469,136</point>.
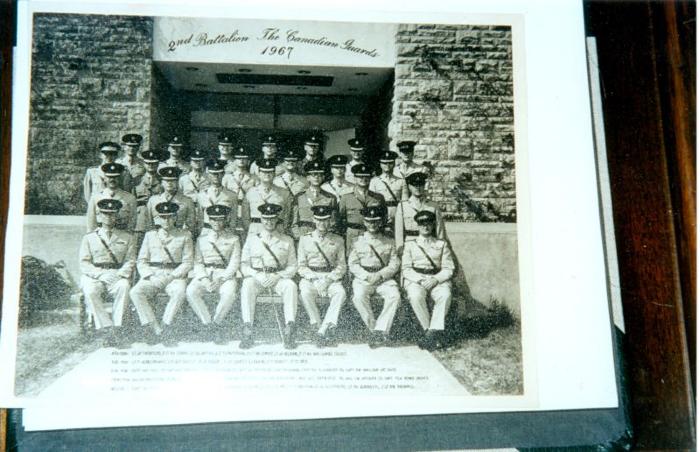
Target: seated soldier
<point>107,260</point>
<point>373,262</point>
<point>164,261</point>
<point>321,259</point>
<point>268,264</point>
<point>217,258</point>
<point>427,268</point>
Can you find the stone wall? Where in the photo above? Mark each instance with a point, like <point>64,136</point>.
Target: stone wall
<point>453,93</point>
<point>91,82</point>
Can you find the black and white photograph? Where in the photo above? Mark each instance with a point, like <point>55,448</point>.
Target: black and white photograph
<point>257,206</point>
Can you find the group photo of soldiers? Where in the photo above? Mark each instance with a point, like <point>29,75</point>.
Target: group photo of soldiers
<point>218,232</point>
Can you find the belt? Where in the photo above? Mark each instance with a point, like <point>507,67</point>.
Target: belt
<point>266,269</point>
<point>164,265</point>
<point>391,203</point>
<point>356,226</point>
<point>373,269</point>
<point>215,265</point>
<point>306,223</point>
<point>427,271</point>
<point>108,265</point>
<point>323,269</point>
<point>255,220</point>
<point>410,232</point>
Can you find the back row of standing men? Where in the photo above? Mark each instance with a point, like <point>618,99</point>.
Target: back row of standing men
<point>145,186</point>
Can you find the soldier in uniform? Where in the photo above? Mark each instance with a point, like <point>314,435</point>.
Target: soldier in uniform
<point>195,180</point>
<point>217,258</point>
<point>131,143</point>
<point>239,182</point>
<point>322,266</point>
<point>407,166</point>
<point>126,217</point>
<point>185,218</point>
<point>266,192</point>
<point>176,159</point>
<point>93,180</point>
<point>165,259</point>
<point>268,263</point>
<point>357,154</point>
<point>373,263</point>
<point>290,179</point>
<point>312,151</point>
<point>269,151</point>
<point>225,149</point>
<point>338,186</point>
<point>107,260</point>
<point>393,189</point>
<point>216,194</point>
<point>148,186</point>
<point>302,215</point>
<point>405,228</point>
<point>350,206</point>
<point>427,266</point>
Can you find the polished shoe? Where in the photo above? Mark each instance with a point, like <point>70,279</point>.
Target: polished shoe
<point>247,341</point>
<point>378,339</point>
<point>428,341</point>
<point>289,342</point>
<point>220,335</point>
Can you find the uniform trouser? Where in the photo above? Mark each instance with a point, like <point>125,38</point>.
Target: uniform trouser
<point>309,292</point>
<point>388,290</point>
<point>94,291</point>
<point>285,288</point>
<point>441,295</point>
<point>146,290</point>
<point>195,297</point>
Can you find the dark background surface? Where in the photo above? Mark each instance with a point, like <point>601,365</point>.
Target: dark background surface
<point>647,58</point>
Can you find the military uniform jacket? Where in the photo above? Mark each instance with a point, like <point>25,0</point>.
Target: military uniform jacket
<point>303,217</point>
<point>405,227</point>
<point>95,256</point>
<point>313,264</point>
<point>392,188</point>
<point>293,183</point>
<point>338,190</point>
<point>258,196</point>
<point>192,183</point>
<point>153,256</point>
<point>126,218</point>
<point>255,258</point>
<point>92,182</point>
<point>350,205</point>
<point>136,169</point>
<point>415,256</point>
<point>217,252</point>
<point>239,183</point>
<point>363,260</point>
<point>229,167</point>
<point>179,163</point>
<point>185,214</point>
<point>148,186</point>
<point>213,196</point>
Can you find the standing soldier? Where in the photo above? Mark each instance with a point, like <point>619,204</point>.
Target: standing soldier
<point>290,179</point>
<point>350,218</point>
<point>107,260</point>
<point>185,218</point>
<point>357,152</point>
<point>302,215</point>
<point>148,186</point>
<point>133,165</point>
<point>216,194</point>
<point>374,262</point>
<point>322,266</point>
<point>195,180</point>
<point>217,258</point>
<point>269,151</point>
<point>126,217</point>
<point>391,187</point>
<point>312,150</point>
<point>427,268</point>
<point>266,192</point>
<point>338,186</point>
<point>93,182</point>
<point>405,227</point>
<point>176,158</point>
<point>407,166</point>
<point>268,263</point>
<point>225,149</point>
<point>165,259</point>
<point>239,182</point>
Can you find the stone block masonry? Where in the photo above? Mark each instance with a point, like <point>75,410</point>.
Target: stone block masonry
<point>91,82</point>
<point>453,93</point>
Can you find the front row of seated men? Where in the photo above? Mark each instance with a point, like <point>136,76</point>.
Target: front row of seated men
<point>268,264</point>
